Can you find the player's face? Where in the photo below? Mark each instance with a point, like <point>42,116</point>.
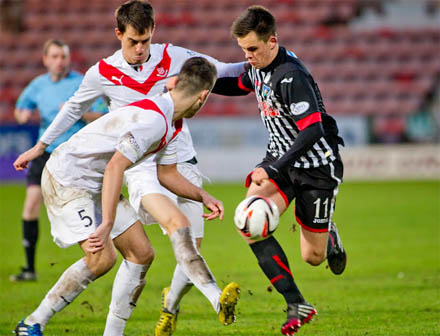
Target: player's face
<point>135,46</point>
<point>197,105</point>
<point>57,61</point>
<point>258,53</point>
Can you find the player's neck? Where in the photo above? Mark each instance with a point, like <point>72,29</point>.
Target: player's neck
<point>182,102</point>
<point>55,77</point>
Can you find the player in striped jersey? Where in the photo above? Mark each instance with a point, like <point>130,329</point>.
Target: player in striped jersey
<point>302,160</point>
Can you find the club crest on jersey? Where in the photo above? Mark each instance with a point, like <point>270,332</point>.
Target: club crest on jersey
<point>161,72</point>
<point>299,108</point>
<point>266,90</point>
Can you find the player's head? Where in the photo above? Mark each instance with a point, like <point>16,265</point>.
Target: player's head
<point>193,85</point>
<point>135,28</point>
<point>255,30</point>
<point>56,58</point>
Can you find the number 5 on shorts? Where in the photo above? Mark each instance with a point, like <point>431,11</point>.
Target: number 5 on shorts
<point>80,213</point>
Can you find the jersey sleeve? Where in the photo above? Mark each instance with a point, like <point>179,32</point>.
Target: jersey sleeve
<point>89,89</point>
<point>297,92</point>
<point>223,69</point>
<point>26,99</point>
<point>168,155</point>
<point>138,140</point>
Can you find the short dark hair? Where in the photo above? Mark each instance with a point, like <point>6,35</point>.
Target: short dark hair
<point>197,74</point>
<point>51,42</point>
<point>136,13</point>
<point>257,19</point>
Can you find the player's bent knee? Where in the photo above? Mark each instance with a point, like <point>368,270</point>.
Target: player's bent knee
<point>145,257</point>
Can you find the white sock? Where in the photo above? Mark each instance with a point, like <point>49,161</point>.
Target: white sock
<point>180,285</point>
<point>194,266</point>
<point>127,287</point>
<point>71,283</point>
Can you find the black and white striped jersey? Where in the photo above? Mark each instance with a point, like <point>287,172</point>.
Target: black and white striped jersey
<point>289,100</point>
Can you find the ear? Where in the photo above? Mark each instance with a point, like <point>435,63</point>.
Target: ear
<point>118,34</point>
<point>273,40</point>
<point>204,95</point>
<point>44,60</point>
<point>171,83</point>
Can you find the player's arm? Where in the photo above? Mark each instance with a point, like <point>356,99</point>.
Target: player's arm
<point>26,103</point>
<point>89,89</point>
<point>23,160</point>
<point>171,179</point>
<point>233,86</point>
<point>97,110</point>
<point>300,96</point>
<point>111,191</point>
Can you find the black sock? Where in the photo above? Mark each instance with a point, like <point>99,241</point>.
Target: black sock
<point>275,265</point>
<point>30,237</point>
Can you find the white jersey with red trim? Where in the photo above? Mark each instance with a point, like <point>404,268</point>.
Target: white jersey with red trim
<point>141,130</point>
<point>121,84</point>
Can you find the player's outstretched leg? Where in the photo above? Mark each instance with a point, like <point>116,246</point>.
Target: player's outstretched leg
<point>298,314</point>
<point>23,329</point>
<point>200,275</point>
<point>336,255</point>
<point>228,301</point>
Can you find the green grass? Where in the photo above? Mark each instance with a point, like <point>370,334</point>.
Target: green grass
<point>390,286</point>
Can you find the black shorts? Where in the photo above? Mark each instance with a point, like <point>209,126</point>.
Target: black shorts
<point>35,170</point>
<point>314,191</point>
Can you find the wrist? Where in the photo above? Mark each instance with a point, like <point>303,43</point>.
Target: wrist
<point>271,171</point>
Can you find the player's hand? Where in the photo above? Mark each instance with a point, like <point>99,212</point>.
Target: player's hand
<point>22,116</point>
<point>98,239</point>
<point>259,175</point>
<point>31,154</point>
<point>214,205</point>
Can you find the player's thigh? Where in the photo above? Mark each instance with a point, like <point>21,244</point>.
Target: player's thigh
<point>270,190</point>
<point>134,245</point>
<point>142,180</point>
<point>165,212</point>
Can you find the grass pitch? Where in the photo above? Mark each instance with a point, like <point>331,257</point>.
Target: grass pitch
<point>390,287</point>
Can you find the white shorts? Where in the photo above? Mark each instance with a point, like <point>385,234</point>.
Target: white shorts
<point>142,180</point>
<point>75,213</point>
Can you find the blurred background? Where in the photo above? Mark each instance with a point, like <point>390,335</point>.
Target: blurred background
<point>377,64</point>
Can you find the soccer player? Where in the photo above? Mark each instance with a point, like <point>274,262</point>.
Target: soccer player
<point>82,185</point>
<point>136,71</point>
<point>302,160</point>
<point>47,93</point>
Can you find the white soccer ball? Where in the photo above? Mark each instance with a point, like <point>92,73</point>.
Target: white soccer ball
<point>257,217</point>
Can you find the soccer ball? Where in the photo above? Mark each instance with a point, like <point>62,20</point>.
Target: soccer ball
<point>256,217</point>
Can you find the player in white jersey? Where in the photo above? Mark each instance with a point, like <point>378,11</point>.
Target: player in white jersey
<point>81,187</point>
<point>136,71</point>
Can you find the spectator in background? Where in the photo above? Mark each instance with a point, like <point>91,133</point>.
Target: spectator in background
<point>47,93</point>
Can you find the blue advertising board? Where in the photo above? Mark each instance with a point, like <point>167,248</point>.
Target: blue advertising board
<point>14,140</point>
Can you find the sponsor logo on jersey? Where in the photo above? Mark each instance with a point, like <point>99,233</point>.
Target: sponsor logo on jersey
<point>287,80</point>
<point>257,83</point>
<point>118,79</point>
<point>268,110</point>
<point>299,108</point>
<point>320,220</point>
